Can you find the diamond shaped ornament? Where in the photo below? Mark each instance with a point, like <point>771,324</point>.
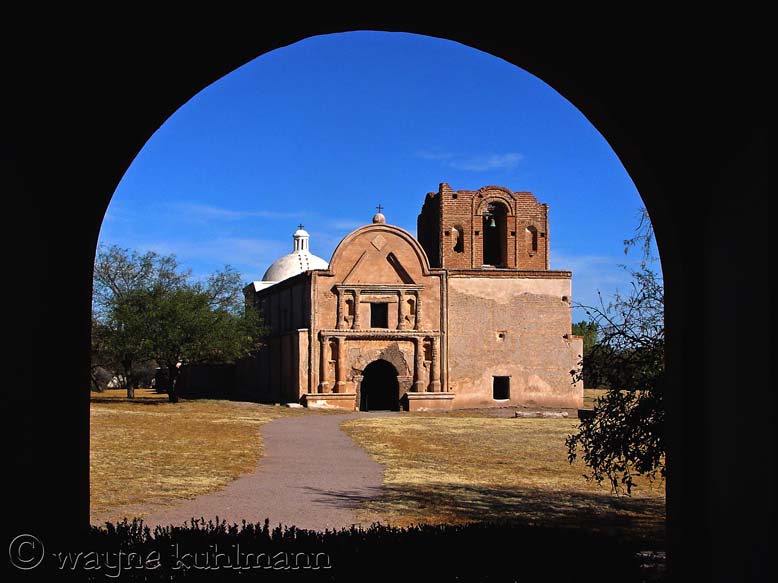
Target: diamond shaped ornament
<point>378,242</point>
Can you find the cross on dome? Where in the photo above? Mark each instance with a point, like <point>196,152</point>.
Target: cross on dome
<point>379,218</point>
<point>300,238</point>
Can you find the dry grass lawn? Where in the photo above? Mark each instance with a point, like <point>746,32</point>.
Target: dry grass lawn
<point>457,467</point>
<point>472,466</point>
<point>150,452</point>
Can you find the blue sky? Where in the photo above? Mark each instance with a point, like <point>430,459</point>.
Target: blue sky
<point>322,131</point>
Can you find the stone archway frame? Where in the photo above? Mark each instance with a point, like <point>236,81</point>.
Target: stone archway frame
<point>390,353</point>
<point>490,194</point>
<point>480,202</point>
<point>733,159</point>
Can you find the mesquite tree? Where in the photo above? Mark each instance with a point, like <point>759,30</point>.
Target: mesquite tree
<point>624,436</point>
<point>145,308</point>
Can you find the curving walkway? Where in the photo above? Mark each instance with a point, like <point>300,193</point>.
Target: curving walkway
<point>311,475</point>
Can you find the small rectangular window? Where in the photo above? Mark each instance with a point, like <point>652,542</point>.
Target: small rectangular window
<point>501,388</point>
<point>379,315</point>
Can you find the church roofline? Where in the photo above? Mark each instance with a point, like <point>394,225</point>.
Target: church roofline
<point>284,283</point>
<point>515,194</point>
<point>510,273</point>
<point>379,227</point>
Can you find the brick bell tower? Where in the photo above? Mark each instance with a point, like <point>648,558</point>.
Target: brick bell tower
<point>485,229</point>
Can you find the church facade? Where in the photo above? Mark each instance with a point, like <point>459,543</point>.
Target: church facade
<point>467,315</point>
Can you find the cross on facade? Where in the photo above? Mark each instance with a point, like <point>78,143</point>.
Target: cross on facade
<point>300,226</point>
<point>380,208</point>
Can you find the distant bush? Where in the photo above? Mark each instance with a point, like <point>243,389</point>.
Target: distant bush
<point>143,373</point>
<point>100,378</point>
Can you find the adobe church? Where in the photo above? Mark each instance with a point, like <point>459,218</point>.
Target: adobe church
<point>469,315</point>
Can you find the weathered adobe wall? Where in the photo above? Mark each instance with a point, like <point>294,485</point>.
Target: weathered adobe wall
<point>286,305</point>
<point>284,362</point>
<point>279,371</point>
<point>531,214</point>
<point>251,379</point>
<point>301,345</point>
<point>536,349</point>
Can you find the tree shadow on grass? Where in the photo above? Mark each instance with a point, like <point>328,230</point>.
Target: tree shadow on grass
<point>640,520</point>
<point>135,401</point>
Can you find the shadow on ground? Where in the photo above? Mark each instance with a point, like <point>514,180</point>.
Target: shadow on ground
<point>135,401</point>
<point>637,519</point>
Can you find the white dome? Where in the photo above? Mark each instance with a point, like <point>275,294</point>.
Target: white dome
<point>298,261</point>
<point>292,264</point>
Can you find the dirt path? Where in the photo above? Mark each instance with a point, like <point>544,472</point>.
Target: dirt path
<point>311,476</point>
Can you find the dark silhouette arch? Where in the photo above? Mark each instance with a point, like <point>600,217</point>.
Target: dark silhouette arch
<point>691,143</point>
<point>379,389</point>
<point>495,230</point>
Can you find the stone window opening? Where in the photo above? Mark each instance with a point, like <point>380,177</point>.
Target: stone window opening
<point>532,239</point>
<point>501,334</point>
<point>459,239</point>
<point>501,388</point>
<point>379,315</point>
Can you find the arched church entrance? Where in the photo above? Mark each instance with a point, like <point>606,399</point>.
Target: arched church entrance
<point>379,389</point>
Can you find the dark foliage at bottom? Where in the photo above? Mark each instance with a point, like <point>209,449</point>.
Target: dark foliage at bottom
<point>215,551</point>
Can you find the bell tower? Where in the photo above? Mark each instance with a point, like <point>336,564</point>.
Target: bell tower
<point>485,229</point>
